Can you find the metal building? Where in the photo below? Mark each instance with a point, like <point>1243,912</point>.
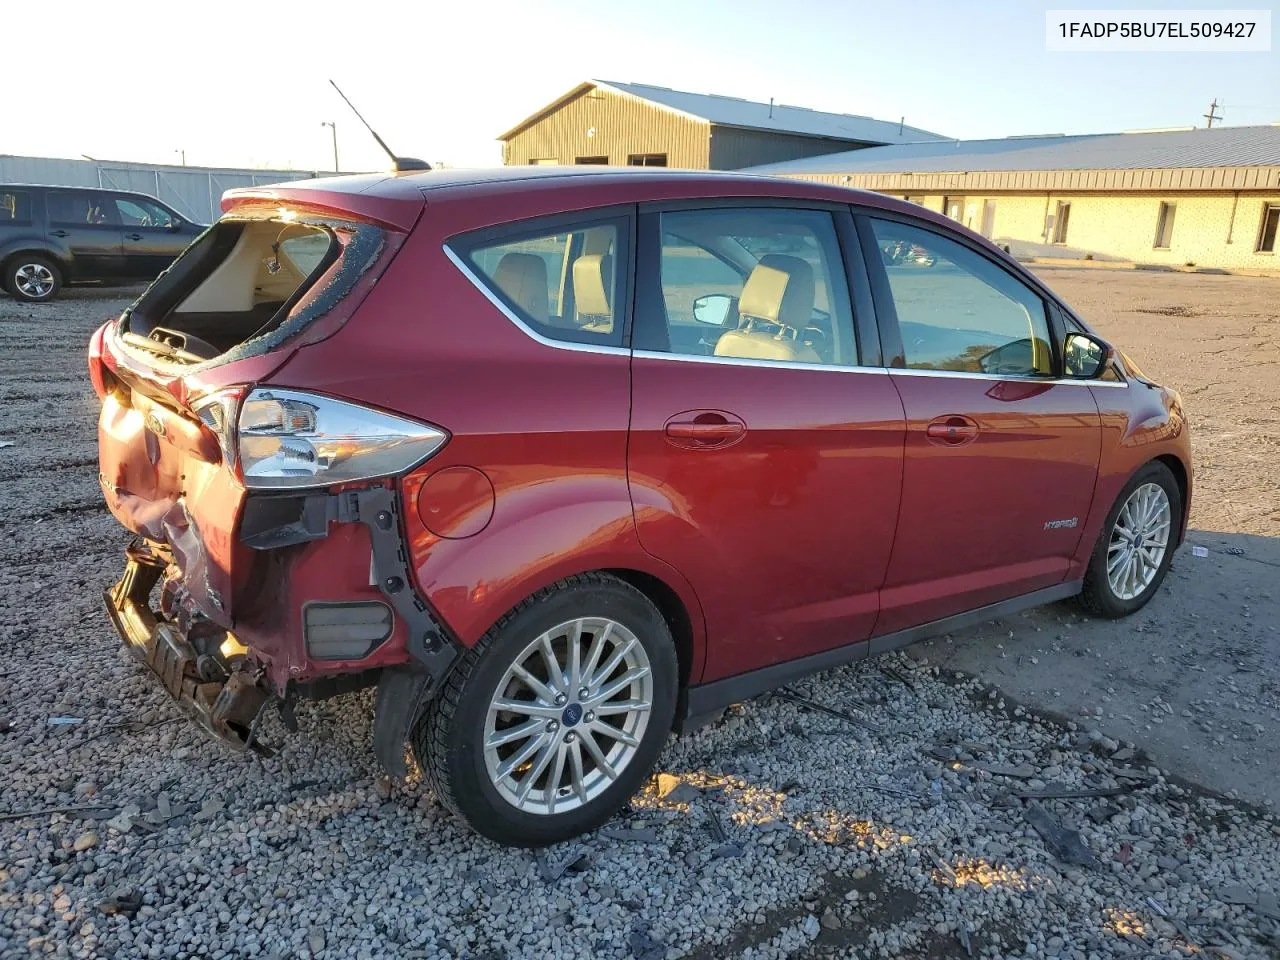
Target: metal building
<point>630,124</point>
<point>195,192</point>
<point>1177,198</point>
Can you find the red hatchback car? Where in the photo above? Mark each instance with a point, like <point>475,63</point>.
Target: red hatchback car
<point>561,459</point>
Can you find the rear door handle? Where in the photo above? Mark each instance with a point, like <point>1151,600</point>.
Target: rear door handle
<point>57,233</point>
<point>704,429</point>
<point>135,236</point>
<point>952,431</point>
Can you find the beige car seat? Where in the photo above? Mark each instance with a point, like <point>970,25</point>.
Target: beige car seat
<point>523,278</point>
<point>592,287</point>
<point>775,306</point>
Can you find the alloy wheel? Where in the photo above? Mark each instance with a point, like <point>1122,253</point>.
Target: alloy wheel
<point>568,716</point>
<point>1139,541</point>
<point>34,280</point>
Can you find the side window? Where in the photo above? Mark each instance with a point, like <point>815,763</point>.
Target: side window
<point>77,208</point>
<point>565,284</point>
<point>15,207</point>
<point>756,284</point>
<point>959,311</point>
<point>141,213</point>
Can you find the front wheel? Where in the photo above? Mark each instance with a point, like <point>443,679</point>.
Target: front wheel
<point>32,278</point>
<point>554,718</point>
<point>1136,546</point>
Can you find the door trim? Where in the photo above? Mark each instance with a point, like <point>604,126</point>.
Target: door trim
<point>706,698</point>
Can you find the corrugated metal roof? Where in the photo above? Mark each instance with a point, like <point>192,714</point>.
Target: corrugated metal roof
<point>734,112</point>
<point>1219,147</point>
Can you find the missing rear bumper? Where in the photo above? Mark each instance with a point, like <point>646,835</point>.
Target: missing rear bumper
<point>223,696</point>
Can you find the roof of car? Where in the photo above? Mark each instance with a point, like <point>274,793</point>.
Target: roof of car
<point>396,199</point>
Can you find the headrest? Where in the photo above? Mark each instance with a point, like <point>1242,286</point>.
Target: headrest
<point>779,290</point>
<point>523,278</point>
<point>592,286</point>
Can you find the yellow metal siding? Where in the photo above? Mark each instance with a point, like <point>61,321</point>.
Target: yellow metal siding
<point>1163,179</point>
<point>1214,230</point>
<point>622,126</point>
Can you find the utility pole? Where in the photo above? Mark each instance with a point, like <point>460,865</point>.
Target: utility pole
<point>183,154</point>
<point>333,128</point>
<point>1213,114</point>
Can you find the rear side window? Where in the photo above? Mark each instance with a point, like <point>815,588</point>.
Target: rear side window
<point>15,207</point>
<point>959,311</point>
<point>79,208</point>
<point>563,283</point>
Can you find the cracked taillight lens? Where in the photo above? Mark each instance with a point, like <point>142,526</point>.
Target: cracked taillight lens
<point>287,439</point>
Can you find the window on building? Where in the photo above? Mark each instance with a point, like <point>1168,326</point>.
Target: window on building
<point>988,218</point>
<point>757,284</point>
<point>1060,222</point>
<point>647,160</point>
<point>15,206</point>
<point>564,284</point>
<point>142,213</point>
<point>915,198</point>
<point>959,311</point>
<point>1270,225</point>
<point>953,207</point>
<point>1164,226</point>
<point>592,161</point>
<point>543,162</point>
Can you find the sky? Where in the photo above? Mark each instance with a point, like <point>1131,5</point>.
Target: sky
<point>235,83</point>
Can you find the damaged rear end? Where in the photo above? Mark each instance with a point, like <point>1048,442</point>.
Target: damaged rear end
<point>269,558</point>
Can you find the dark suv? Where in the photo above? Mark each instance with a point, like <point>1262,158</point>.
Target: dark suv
<point>55,235</point>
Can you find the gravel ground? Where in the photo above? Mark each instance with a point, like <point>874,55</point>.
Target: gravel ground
<point>892,826</point>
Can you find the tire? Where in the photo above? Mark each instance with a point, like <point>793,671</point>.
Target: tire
<point>32,278</point>
<point>1101,595</point>
<point>451,741</point>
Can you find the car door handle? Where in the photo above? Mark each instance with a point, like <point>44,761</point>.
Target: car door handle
<point>134,236</point>
<point>703,429</point>
<point>57,233</point>
<point>952,431</point>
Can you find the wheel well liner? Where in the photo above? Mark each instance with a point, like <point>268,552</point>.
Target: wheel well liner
<point>1179,471</point>
<point>673,611</point>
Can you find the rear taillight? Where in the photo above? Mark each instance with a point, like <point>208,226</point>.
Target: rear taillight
<point>287,439</point>
<point>97,368</point>
<point>217,411</point>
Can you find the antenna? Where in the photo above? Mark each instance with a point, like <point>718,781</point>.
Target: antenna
<point>398,164</point>
<point>771,108</point>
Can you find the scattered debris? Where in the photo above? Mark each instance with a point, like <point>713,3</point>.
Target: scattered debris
<point>943,867</point>
<point>124,901</point>
<point>49,811</point>
<point>1235,551</point>
<point>1063,842</point>
<point>1023,771</point>
<point>1199,551</point>
<point>1238,894</point>
<point>1124,854</point>
<point>716,828</point>
<point>672,789</point>
<point>7,443</point>
<point>1071,793</point>
<point>210,809</point>
<point>64,721</point>
<point>643,945</point>
<point>124,821</point>
<point>727,851</point>
<point>787,694</point>
<point>576,858</point>
<point>964,935</point>
<point>1155,905</point>
<point>634,834</point>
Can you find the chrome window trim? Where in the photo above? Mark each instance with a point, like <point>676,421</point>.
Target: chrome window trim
<point>747,362</point>
<point>532,334</point>
<point>974,375</point>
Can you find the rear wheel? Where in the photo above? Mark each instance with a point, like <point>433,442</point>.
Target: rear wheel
<point>1136,546</point>
<point>32,278</point>
<point>554,719</point>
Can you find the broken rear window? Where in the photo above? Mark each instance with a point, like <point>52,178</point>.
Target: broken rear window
<point>248,284</point>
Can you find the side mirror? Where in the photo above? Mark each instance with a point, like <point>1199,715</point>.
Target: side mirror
<point>712,308</point>
<point>1085,358</point>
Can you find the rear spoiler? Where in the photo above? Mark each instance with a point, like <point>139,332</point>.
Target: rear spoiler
<point>339,197</point>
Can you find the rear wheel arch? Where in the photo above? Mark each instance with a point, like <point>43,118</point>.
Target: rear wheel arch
<point>673,610</point>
